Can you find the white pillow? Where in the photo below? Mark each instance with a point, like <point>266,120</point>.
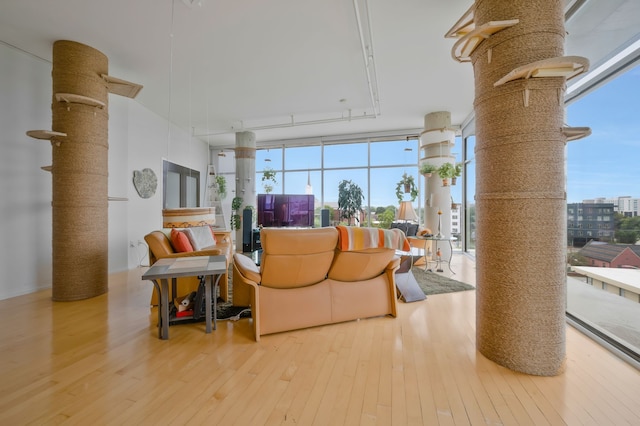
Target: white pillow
<point>200,237</point>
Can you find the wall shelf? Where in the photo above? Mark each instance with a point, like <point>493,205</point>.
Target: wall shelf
<point>117,199</point>
<point>47,168</point>
<point>562,66</point>
<point>464,47</point>
<point>575,133</point>
<point>45,134</point>
<point>464,25</point>
<point>70,98</point>
<point>50,135</point>
<point>122,87</point>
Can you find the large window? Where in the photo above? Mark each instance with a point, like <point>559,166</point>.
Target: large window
<point>600,169</point>
<point>470,194</point>
<point>375,166</point>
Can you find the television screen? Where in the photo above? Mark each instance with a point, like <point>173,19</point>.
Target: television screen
<point>278,210</point>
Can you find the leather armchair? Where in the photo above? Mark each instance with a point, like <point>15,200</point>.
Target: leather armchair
<point>160,247</point>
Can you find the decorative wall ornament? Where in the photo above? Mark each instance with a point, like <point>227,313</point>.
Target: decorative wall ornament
<point>145,182</point>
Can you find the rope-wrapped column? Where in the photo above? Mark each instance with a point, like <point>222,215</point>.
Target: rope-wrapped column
<point>80,174</point>
<point>520,192</point>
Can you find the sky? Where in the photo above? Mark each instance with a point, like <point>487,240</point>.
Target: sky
<point>606,163</point>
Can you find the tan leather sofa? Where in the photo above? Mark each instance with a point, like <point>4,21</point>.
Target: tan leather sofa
<point>160,247</point>
<point>304,280</point>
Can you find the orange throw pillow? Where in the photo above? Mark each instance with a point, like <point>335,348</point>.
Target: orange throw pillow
<point>180,242</point>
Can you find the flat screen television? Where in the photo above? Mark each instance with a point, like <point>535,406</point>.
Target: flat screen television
<point>278,210</point>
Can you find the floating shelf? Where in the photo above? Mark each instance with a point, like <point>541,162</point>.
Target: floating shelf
<point>575,133</point>
<point>117,199</point>
<point>47,168</point>
<point>463,48</point>
<point>464,25</point>
<point>45,134</point>
<point>79,99</point>
<point>562,66</point>
<point>122,87</point>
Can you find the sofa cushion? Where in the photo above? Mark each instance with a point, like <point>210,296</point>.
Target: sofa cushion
<point>360,265</point>
<point>200,237</point>
<point>296,257</point>
<point>180,241</point>
<point>410,229</point>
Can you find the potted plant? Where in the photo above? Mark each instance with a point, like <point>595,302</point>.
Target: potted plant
<point>428,169</point>
<point>445,172</point>
<point>236,203</point>
<point>454,205</point>
<point>221,186</point>
<point>268,180</point>
<point>406,185</point>
<point>457,172</point>
<point>350,197</point>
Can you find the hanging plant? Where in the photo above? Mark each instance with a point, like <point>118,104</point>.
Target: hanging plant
<point>268,180</point>
<point>406,185</point>
<point>457,172</point>
<point>445,172</point>
<point>427,169</point>
<point>221,186</point>
<point>236,203</point>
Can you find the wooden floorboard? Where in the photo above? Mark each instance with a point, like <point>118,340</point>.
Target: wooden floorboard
<point>99,361</point>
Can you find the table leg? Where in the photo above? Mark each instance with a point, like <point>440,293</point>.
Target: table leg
<point>215,300</point>
<point>424,252</point>
<point>207,303</point>
<point>164,309</point>
<point>450,256</point>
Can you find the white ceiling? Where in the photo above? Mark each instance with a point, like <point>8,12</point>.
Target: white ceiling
<point>276,67</point>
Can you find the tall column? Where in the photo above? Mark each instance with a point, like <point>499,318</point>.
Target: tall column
<point>80,174</point>
<point>435,144</point>
<point>520,190</point>
<point>245,175</point>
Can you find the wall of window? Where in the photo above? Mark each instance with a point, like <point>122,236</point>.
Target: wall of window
<point>603,166</point>
<point>469,186</point>
<point>375,166</point>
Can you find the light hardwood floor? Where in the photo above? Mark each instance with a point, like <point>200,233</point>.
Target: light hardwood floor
<point>99,361</point>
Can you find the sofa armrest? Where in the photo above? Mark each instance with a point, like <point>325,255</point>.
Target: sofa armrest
<point>208,252</point>
<point>246,288</point>
<point>247,268</point>
<point>391,269</point>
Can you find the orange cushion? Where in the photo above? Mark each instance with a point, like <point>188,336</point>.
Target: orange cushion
<point>180,242</point>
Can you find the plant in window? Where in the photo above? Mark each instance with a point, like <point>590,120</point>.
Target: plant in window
<point>236,203</point>
<point>268,180</point>
<point>350,199</point>
<point>406,185</point>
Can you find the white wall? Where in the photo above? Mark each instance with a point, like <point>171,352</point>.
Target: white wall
<point>138,139</point>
